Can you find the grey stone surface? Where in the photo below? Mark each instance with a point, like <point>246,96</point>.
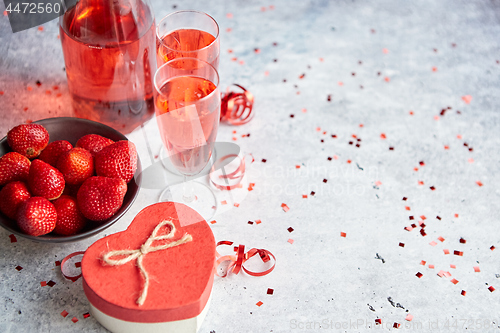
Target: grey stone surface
<point>322,281</point>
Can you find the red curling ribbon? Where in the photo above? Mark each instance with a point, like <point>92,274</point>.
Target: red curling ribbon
<point>237,262</point>
<point>236,107</point>
<point>72,278</point>
<point>231,180</point>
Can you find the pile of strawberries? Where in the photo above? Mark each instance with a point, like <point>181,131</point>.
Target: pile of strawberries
<point>57,187</point>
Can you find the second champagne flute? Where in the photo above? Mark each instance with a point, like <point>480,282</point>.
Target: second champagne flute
<point>187,101</point>
<point>189,34</point>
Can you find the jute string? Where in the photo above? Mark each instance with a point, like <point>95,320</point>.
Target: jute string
<point>145,249</point>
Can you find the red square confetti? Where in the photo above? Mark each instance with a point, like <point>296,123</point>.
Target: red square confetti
<point>441,273</point>
<point>431,266</point>
<point>313,193</point>
<point>458,253</point>
<point>463,292</point>
<point>383,136</point>
<point>78,264</point>
<point>409,317</point>
<point>405,198</point>
<point>492,248</point>
<point>304,196</point>
<point>259,303</point>
<point>64,313</point>
<point>433,243</point>
<point>422,232</point>
<point>13,238</point>
<point>19,268</point>
<point>456,215</point>
<point>453,266</point>
<point>439,218</point>
<point>86,315</point>
<point>250,222</point>
<point>413,225</point>
<point>407,208</point>
<point>463,241</point>
<point>285,207</point>
<point>411,217</point>
<point>58,263</point>
<point>446,251</point>
<point>402,244</point>
<point>264,160</point>
<point>325,180</point>
<point>270,291</point>
<point>343,234</point>
<point>51,283</point>
<point>420,182</point>
<point>410,228</point>
<point>396,325</point>
<point>223,202</point>
<point>441,239</point>
<point>290,229</point>
<point>476,269</point>
<point>290,241</point>
<point>74,320</point>
<point>423,217</point>
<point>454,281</point>
<point>423,262</point>
<point>479,183</point>
<point>297,167</point>
<point>378,183</point>
<point>43,283</point>
<point>213,222</point>
<point>419,275</point>
<point>236,204</point>
<point>258,221</point>
<point>490,288</point>
<point>432,188</point>
<point>378,321</point>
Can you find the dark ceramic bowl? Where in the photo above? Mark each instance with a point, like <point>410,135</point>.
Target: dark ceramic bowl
<point>71,129</point>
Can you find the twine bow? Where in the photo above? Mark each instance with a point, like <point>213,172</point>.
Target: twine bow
<point>145,249</point>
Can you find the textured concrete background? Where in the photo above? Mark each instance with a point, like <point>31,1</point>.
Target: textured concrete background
<point>376,61</point>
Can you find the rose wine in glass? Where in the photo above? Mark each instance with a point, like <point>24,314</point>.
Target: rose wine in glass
<point>189,34</point>
<point>187,101</point>
<point>109,52</point>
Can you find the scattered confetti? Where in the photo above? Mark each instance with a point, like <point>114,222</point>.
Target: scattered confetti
<point>441,239</point>
<point>463,241</point>
<point>467,99</point>
<point>383,136</point>
<point>423,262</point>
<point>431,266</point>
<point>386,51</point>
<point>58,263</point>
<point>492,248</point>
<point>446,251</point>
<point>64,313</point>
<point>258,221</point>
<point>458,253</point>
<point>343,234</point>
<point>285,207</point>
<point>304,196</point>
<point>453,266</point>
<point>213,222</point>
<point>479,183</point>
<point>491,289</point>
<point>51,283</point>
<point>290,241</point>
<point>74,320</point>
<point>40,28</point>
<point>409,317</point>
<point>19,268</point>
<point>454,281</point>
<point>396,325</point>
<point>43,283</point>
<point>13,238</point>
<point>236,204</point>
<point>86,315</point>
<point>463,292</point>
<point>378,321</point>
<point>229,15</point>
<point>270,291</point>
<point>402,244</point>
<point>476,269</point>
<point>290,229</point>
<point>419,275</point>
<point>223,202</point>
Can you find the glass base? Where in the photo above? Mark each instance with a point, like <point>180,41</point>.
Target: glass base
<point>203,200</point>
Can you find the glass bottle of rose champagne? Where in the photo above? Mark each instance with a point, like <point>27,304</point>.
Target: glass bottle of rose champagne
<point>109,51</point>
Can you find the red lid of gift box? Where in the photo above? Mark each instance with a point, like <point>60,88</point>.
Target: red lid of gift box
<point>180,277</point>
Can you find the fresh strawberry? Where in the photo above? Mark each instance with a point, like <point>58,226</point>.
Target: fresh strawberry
<point>99,198</point>
<point>36,216</point>
<point>11,196</point>
<point>45,181</point>
<point>13,166</point>
<point>94,143</point>
<point>52,152</point>
<point>76,165</point>
<point>28,139</point>
<point>118,160</point>
<point>69,219</point>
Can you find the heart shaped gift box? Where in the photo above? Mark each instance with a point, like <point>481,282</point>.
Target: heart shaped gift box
<point>156,276</point>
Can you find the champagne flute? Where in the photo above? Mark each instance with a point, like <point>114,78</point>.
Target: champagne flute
<point>186,34</point>
<point>187,103</point>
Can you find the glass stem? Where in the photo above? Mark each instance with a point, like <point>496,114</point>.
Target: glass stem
<point>187,189</point>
